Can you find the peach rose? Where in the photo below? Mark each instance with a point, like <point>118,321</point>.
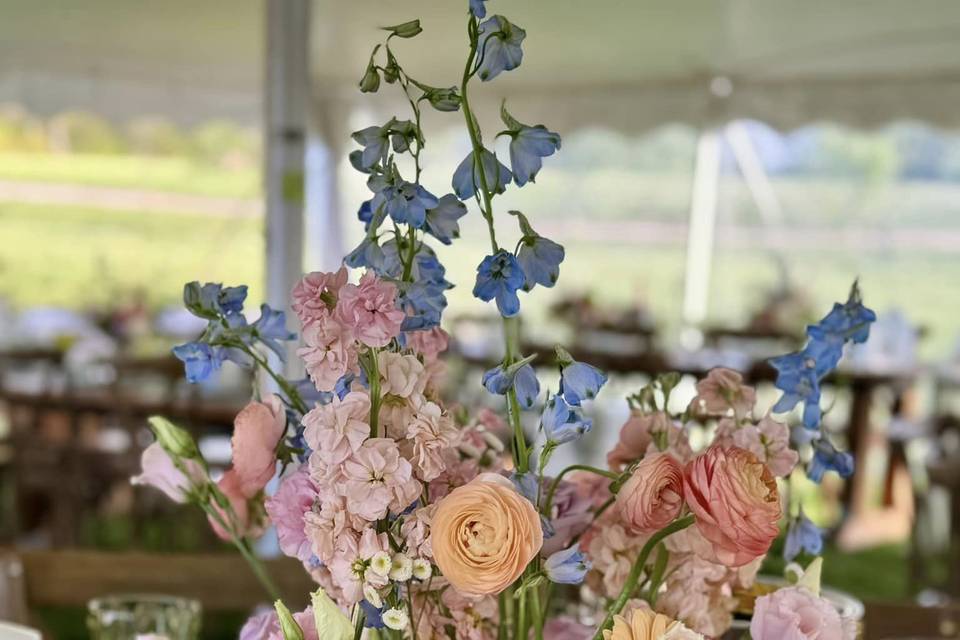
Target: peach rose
<point>644,624</point>
<point>484,534</point>
<point>736,503</point>
<point>653,496</point>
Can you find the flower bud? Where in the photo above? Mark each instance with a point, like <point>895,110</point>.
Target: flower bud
<point>329,618</point>
<point>288,626</point>
<point>175,441</point>
<point>443,99</point>
<point>370,81</point>
<point>405,30</point>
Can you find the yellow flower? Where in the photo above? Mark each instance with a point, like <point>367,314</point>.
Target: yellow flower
<point>644,624</point>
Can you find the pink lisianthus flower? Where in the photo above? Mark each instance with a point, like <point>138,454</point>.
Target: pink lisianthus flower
<point>256,431</point>
<point>337,429</point>
<point>401,375</point>
<point>329,352</point>
<point>736,503</point>
<point>260,626</point>
<point>566,628</point>
<point>315,296</point>
<point>429,342</point>
<point>287,508</point>
<point>350,566</point>
<point>432,433</point>
<point>370,309</point>
<point>721,392</point>
<point>572,504</point>
<point>158,470</point>
<point>378,480</point>
<point>305,620</point>
<point>795,613</point>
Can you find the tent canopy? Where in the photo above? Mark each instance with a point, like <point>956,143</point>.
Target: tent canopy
<point>626,64</point>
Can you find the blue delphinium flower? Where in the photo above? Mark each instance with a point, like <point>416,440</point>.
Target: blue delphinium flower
<point>540,260</point>
<point>500,47</point>
<point>579,381</point>
<point>372,616</point>
<point>568,566</point>
<point>231,299</point>
<point>527,150</point>
<point>802,535</point>
<point>424,303</point>
<point>850,320</point>
<point>562,423</point>
<point>442,219</point>
<point>376,143</point>
<point>466,179</point>
<point>526,484</point>
<point>407,203</point>
<point>271,329</point>
<point>520,377</point>
<point>367,254</point>
<point>199,359</point>
<point>500,277</point>
<point>827,458</point>
<point>212,299</point>
<point>478,9</point>
<point>798,379</point>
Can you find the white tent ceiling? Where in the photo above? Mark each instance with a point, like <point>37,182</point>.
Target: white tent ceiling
<point>627,64</point>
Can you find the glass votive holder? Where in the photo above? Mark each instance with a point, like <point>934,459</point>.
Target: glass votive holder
<point>143,617</point>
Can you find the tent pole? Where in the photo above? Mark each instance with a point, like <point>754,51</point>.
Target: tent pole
<point>285,100</point>
<point>323,232</point>
<point>700,236</point>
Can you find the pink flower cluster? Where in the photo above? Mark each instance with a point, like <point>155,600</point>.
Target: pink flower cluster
<point>337,315</point>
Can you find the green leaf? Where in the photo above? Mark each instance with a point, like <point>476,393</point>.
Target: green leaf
<point>405,29</point>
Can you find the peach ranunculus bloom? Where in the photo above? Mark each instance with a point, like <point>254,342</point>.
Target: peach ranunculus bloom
<point>484,534</point>
<point>736,503</point>
<point>256,431</point>
<point>721,391</point>
<point>653,496</point>
<point>644,624</point>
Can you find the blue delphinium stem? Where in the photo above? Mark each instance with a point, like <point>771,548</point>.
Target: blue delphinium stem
<point>511,327</point>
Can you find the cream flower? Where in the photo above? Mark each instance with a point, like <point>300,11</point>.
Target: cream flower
<point>647,625</point>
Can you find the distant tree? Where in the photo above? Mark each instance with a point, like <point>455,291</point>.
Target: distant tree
<point>83,132</point>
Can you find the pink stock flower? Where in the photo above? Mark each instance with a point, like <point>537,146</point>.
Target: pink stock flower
<point>769,440</point>
<point>697,594</point>
<point>329,352</point>
<point>416,532</point>
<point>323,528</point>
<point>429,342</point>
<point>378,480</point>
<point>159,471</point>
<point>349,566</point>
<point>722,391</point>
<point>432,434</point>
<point>794,613</point>
<point>370,309</point>
<point>645,433</point>
<point>613,550</point>
<point>256,431</point>
<point>473,618</point>
<point>287,508</point>
<point>315,296</point>
<point>337,429</point>
<point>653,496</point>
<point>566,628</point>
<point>736,503</point>
<point>401,375</point>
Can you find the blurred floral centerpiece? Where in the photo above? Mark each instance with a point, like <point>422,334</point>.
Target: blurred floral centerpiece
<point>423,521</point>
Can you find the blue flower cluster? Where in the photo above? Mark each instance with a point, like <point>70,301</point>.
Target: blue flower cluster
<point>799,376</point>
<point>228,336</point>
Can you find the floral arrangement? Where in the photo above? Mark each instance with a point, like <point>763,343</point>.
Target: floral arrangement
<point>421,521</point>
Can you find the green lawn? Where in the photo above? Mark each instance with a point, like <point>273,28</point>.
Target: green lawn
<point>176,174</point>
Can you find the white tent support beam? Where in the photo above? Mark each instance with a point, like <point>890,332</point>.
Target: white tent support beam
<point>754,174</point>
<point>324,225</point>
<point>700,238</point>
<point>286,91</point>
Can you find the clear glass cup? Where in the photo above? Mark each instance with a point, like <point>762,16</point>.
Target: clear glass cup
<point>139,616</point>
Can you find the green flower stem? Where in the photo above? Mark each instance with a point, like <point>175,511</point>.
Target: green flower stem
<point>373,378</point>
<point>659,569</point>
<point>536,612</point>
<point>288,389</point>
<point>576,467</point>
<point>243,546</point>
<point>523,626</point>
<point>638,567</point>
